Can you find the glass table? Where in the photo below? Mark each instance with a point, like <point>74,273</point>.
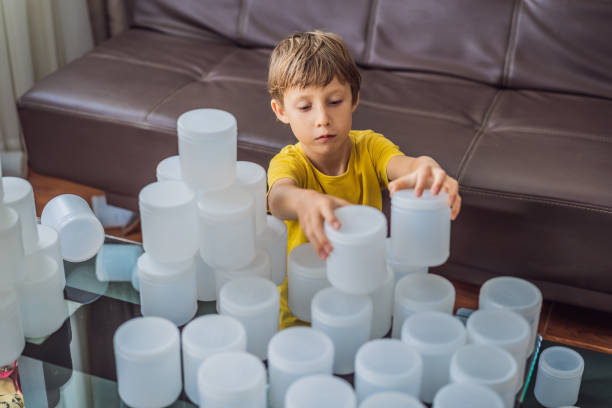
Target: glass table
<point>75,366</point>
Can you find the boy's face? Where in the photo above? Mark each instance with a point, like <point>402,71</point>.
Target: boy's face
<point>320,117</point>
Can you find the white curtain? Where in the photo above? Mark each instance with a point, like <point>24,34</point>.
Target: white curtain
<point>36,38</point>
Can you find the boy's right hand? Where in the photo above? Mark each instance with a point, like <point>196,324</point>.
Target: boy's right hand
<point>312,211</point>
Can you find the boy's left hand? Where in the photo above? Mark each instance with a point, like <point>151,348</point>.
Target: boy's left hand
<point>434,178</point>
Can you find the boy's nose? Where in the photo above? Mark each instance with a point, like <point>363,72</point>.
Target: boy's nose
<point>322,118</point>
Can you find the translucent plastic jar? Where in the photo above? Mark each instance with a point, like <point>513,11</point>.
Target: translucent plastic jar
<point>49,244</point>
<point>467,395</point>
<point>169,169</point>
<point>18,195</point>
<point>320,391</point>
<point>420,228</point>
<point>207,145</point>
<point>252,178</point>
<point>559,377</point>
<point>401,269</point>
<point>260,267</point>
<point>274,240</point>
<point>391,399</point>
<point>11,247</point>
<point>307,276</point>
<point>357,263</point>
<point>11,328</point>
<point>382,311</point>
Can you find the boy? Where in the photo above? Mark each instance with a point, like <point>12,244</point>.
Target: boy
<point>314,86</point>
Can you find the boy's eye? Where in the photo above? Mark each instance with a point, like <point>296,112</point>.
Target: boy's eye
<point>303,108</point>
<point>336,102</point>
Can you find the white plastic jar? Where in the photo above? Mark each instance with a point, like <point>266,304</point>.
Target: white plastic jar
<point>294,353</point>
<point>420,228</point>
<point>48,244</point>
<point>148,362</point>
<point>227,228</point>
<point>169,169</point>
<point>207,145</point>
<point>168,218</point>
<point>320,391</point>
<point>41,295</point>
<point>274,240</point>
<point>260,267</point>
<point>232,379</point>
<point>307,276</point>
<point>167,290</point>
<point>357,263</point>
<point>203,337</point>
<point>18,195</point>
<point>436,336</point>
<point>13,341</point>
<point>254,301</point>
<point>252,178</point>
<point>387,365</point>
<point>391,399</point>
<point>415,293</point>
<point>347,320</point>
<point>382,310</point>
<point>11,247</point>
<point>401,269</point>
<point>487,365</point>
<point>502,328</point>
<point>467,395</point>
<point>516,294</point>
<point>559,377</point>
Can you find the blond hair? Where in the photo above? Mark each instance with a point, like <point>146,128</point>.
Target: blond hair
<point>311,58</point>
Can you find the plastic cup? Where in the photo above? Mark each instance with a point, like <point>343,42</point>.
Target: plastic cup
<point>382,311</point>
<point>169,169</point>
<point>415,293</point>
<point>49,244</point>
<point>12,341</point>
<point>148,362</point>
<point>167,290</point>
<point>387,365</point>
<point>115,262</point>
<point>436,336</point>
<point>11,248</point>
<point>135,279</point>
<point>207,145</point>
<point>227,226</point>
<point>420,228</point>
<point>518,295</point>
<point>487,365</point>
<point>559,377</point>
<point>391,399</point>
<point>255,303</point>
<point>252,178</point>
<point>203,337</point>
<point>347,320</point>
<point>401,269</point>
<point>467,395</point>
<point>232,379</point>
<point>294,353</point>
<point>320,391</point>
<point>502,328</point>
<point>259,267</point>
<point>274,240</point>
<point>357,263</point>
<point>18,195</point>
<point>43,308</point>
<point>80,232</point>
<point>168,214</point>
<point>205,278</point>
<point>307,276</point>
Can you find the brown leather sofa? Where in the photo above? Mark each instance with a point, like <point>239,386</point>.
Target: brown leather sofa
<point>512,97</point>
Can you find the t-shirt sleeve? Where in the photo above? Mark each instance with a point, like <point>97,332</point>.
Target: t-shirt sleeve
<point>381,151</point>
<point>286,164</point>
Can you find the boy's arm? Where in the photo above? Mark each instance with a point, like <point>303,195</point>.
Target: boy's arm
<point>289,202</point>
<point>420,173</point>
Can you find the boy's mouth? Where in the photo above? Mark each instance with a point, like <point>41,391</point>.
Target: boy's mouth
<point>324,138</point>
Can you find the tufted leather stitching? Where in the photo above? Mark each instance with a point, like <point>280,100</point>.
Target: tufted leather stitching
<point>371,31</point>
<point>416,112</point>
<point>511,44</point>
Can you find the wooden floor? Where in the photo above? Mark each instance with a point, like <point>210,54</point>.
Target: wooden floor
<point>561,323</point>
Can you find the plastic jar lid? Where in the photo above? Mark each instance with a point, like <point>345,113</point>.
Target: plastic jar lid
<point>232,375</point>
<point>275,229</point>
<point>385,361</point>
<point>206,124</point>
<point>501,327</point>
<point>316,390</point>
<point>8,217</point>
<point>213,333</point>
<point>304,261</point>
<point>434,332</point>
<point>229,204</point>
<point>512,293</point>
<point>412,289</point>
<point>484,364</point>
<point>248,296</point>
<point>392,399</point>
<point>300,350</point>
<point>169,169</point>
<point>16,189</point>
<point>561,362</point>
<point>145,338</point>
<point>467,395</point>
<point>165,195</point>
<point>359,224</point>
<point>335,308</point>
<point>153,271</point>
<point>259,267</point>
<point>406,200</point>
<point>249,173</point>
<point>47,236</point>
<point>40,268</point>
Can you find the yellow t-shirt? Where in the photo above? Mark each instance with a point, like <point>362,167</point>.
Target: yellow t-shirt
<point>362,183</point>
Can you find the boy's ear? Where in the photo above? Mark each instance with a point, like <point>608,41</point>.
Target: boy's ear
<point>356,103</point>
<point>279,111</point>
